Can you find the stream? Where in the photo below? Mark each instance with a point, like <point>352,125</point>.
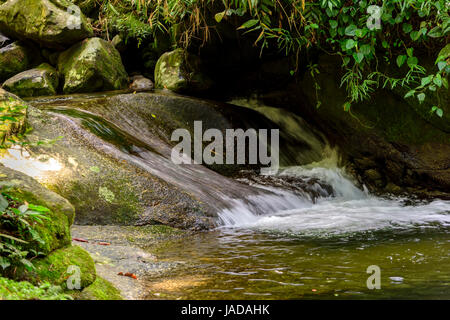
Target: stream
<point>307,232</point>
<point>317,250</point>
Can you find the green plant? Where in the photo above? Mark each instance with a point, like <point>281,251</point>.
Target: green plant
<point>17,221</point>
<point>364,33</point>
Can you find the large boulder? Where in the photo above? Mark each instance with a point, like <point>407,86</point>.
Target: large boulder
<point>180,71</point>
<point>51,23</point>
<point>40,81</point>
<point>54,231</point>
<point>92,65</point>
<point>14,58</point>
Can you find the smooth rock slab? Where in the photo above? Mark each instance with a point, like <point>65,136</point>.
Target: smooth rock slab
<point>40,81</point>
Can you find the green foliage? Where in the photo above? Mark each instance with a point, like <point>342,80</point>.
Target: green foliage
<point>363,33</point>
<point>17,221</point>
<point>13,290</point>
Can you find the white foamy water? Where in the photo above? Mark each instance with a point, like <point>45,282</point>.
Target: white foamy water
<point>349,210</point>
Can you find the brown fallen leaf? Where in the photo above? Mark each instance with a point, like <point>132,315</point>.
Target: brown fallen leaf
<point>79,240</point>
<point>128,274</point>
<point>104,243</point>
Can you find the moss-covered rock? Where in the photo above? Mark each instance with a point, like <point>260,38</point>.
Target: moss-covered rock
<point>14,58</point>
<point>40,81</point>
<point>92,65</point>
<point>23,290</point>
<point>101,289</point>
<point>15,111</point>
<point>52,23</point>
<point>54,268</point>
<point>55,231</point>
<point>180,71</point>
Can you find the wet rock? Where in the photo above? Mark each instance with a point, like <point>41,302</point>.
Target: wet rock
<point>40,81</point>
<point>180,71</point>
<point>365,163</point>
<point>55,231</point>
<point>14,58</point>
<point>399,131</point>
<point>393,188</point>
<point>92,65</point>
<point>140,83</point>
<point>51,23</point>
<point>372,175</point>
<point>102,182</point>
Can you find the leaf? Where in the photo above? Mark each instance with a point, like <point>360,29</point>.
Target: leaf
<point>350,30</point>
<point>219,16</point>
<point>333,24</point>
<point>421,97</point>
<point>401,60</point>
<point>412,62</point>
<point>365,49</point>
<point>426,80</point>
<point>407,28</point>
<point>439,112</point>
<point>249,24</point>
<point>358,57</point>
<point>438,80</point>
<point>410,93</point>
<point>350,43</point>
<point>38,208</point>
<point>3,203</point>
<point>414,35</point>
<point>436,32</point>
<point>409,52</point>
<point>441,65</point>
<point>347,106</point>
<point>4,263</point>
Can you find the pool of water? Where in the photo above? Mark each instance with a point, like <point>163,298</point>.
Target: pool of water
<point>234,263</point>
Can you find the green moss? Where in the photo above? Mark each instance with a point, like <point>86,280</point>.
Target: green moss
<point>101,289</point>
<point>92,65</point>
<point>55,232</point>
<point>55,268</point>
<point>40,81</point>
<point>45,22</point>
<point>23,290</point>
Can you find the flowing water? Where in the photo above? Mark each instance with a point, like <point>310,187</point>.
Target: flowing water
<point>308,232</point>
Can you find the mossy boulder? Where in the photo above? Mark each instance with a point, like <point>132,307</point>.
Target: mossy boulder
<point>40,81</point>
<point>24,290</point>
<point>14,58</point>
<point>54,232</point>
<point>51,23</point>
<point>180,71</point>
<point>92,65</point>
<point>59,266</point>
<point>14,110</point>
<point>101,289</point>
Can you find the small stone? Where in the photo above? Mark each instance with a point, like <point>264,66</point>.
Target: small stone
<point>140,83</point>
